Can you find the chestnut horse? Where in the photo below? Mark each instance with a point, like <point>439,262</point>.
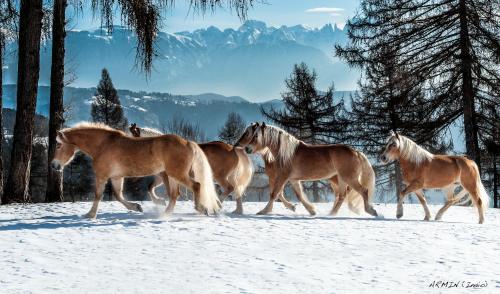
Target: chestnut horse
<point>116,155</point>
<point>231,167</point>
<point>424,170</point>
<point>354,199</point>
<point>297,161</point>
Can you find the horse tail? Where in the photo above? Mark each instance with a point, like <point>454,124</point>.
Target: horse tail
<point>202,173</point>
<point>242,175</point>
<point>354,201</point>
<point>480,190</point>
<point>367,177</point>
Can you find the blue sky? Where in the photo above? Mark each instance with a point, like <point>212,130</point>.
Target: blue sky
<point>314,13</point>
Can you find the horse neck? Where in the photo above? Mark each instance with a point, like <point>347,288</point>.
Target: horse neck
<point>88,141</point>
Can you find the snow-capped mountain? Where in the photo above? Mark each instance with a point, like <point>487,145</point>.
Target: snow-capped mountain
<point>251,61</point>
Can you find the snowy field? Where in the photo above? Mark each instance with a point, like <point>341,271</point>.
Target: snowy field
<point>49,248</point>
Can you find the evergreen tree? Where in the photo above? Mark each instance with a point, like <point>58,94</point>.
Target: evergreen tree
<point>232,129</point>
<point>106,107</point>
<point>30,29</point>
<point>451,45</point>
<point>308,114</point>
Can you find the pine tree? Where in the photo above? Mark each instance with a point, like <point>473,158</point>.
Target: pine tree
<point>30,29</point>
<point>309,114</point>
<point>232,129</point>
<point>54,190</point>
<point>451,45</point>
<point>106,107</point>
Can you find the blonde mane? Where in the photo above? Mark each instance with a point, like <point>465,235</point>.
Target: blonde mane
<point>285,143</point>
<point>150,132</point>
<point>92,126</point>
<point>410,151</point>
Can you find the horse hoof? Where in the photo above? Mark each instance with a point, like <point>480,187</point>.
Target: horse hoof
<point>427,218</point>
<point>239,212</point>
<point>138,207</point>
<point>293,208</point>
<point>89,215</point>
<point>399,215</point>
<point>205,212</point>
<point>262,212</point>
<point>312,212</point>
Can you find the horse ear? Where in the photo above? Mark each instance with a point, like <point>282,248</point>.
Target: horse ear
<point>61,138</point>
<point>263,124</point>
<point>397,135</point>
<point>391,133</point>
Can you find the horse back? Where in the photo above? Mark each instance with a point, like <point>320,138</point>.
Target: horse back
<point>222,157</point>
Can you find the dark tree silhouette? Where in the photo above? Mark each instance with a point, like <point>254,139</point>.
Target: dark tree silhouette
<point>7,22</point>
<point>232,129</point>
<point>54,190</point>
<point>308,114</point>
<point>452,45</point>
<point>106,107</point>
<point>181,127</point>
<point>30,29</point>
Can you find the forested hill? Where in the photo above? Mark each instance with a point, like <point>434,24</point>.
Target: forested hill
<point>157,109</point>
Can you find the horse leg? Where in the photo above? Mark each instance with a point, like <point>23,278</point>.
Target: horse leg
<point>228,189</point>
<point>297,188</point>
<point>151,189</point>
<point>450,200</point>
<point>353,182</point>
<point>279,185</point>
<point>195,187</point>
<point>239,203</point>
<point>99,189</point>
<point>423,201</point>
<point>339,188</point>
<point>117,184</point>
<point>289,205</point>
<point>413,186</point>
<point>173,188</point>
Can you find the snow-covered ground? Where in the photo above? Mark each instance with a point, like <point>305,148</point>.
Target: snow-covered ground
<point>49,248</point>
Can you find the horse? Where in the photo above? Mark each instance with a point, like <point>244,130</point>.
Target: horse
<point>424,170</point>
<point>270,165</point>
<point>298,161</point>
<point>116,155</point>
<point>232,168</point>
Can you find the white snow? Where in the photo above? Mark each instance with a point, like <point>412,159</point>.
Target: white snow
<point>49,248</point>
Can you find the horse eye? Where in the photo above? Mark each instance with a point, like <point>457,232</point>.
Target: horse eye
<point>58,145</point>
<point>393,145</point>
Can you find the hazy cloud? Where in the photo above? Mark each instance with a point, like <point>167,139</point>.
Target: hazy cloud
<point>330,10</point>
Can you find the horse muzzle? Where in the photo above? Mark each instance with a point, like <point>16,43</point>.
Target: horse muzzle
<point>248,150</point>
<point>56,165</point>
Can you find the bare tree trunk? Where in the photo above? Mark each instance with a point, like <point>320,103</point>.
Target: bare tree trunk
<point>30,27</point>
<point>54,190</point>
<point>469,111</point>
<point>1,115</point>
<point>496,197</point>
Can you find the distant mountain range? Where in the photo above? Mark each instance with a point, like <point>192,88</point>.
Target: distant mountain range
<point>156,109</point>
<point>251,61</point>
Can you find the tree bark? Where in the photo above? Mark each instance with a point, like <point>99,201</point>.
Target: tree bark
<point>1,115</point>
<point>54,190</point>
<point>496,197</point>
<point>30,27</point>
<point>469,111</point>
